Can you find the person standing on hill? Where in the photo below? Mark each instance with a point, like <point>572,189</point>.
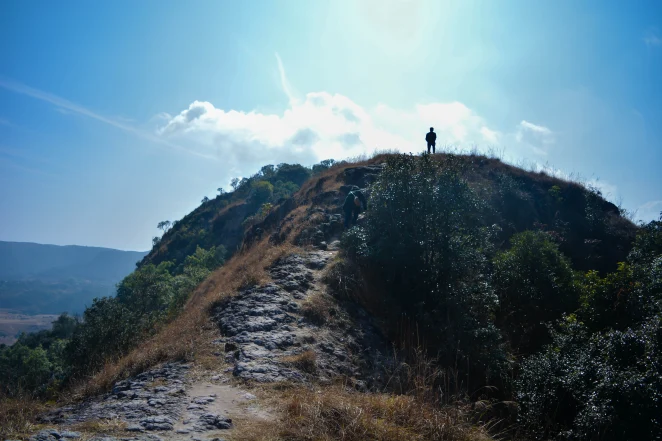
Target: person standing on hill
<point>431,139</point>
<point>352,206</point>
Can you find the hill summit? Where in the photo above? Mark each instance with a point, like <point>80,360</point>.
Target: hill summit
<point>473,300</point>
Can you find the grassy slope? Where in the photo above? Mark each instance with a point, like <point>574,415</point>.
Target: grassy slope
<point>522,200</point>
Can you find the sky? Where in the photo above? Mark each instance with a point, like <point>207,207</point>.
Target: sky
<point>116,115</point>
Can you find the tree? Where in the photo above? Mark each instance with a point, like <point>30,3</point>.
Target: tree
<point>220,191</point>
<point>323,165</point>
<point>536,285</point>
<point>268,171</point>
<point>155,241</point>
<point>163,225</point>
<point>234,183</point>
<point>205,200</point>
<point>261,192</point>
<point>423,243</point>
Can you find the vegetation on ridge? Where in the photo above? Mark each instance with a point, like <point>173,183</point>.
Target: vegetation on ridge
<point>578,350</point>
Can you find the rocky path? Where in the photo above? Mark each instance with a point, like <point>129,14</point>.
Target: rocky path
<point>266,337</point>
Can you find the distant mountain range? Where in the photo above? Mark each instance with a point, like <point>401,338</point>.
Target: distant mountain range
<point>49,279</point>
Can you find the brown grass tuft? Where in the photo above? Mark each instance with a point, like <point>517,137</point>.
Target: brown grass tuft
<point>334,413</point>
<point>102,426</point>
<point>305,361</point>
<point>17,416</point>
<point>317,308</point>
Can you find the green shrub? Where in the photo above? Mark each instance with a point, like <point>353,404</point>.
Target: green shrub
<point>601,386</point>
<point>146,299</point>
<point>601,377</point>
<point>424,245</point>
<point>261,192</point>
<point>536,285</point>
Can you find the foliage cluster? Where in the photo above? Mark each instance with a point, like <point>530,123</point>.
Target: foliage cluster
<point>38,364</point>
<point>579,349</point>
<point>221,220</point>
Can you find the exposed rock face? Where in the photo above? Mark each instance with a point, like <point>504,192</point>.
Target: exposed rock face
<point>362,175</point>
<point>149,401</point>
<point>324,228</point>
<point>154,401</point>
<point>265,332</point>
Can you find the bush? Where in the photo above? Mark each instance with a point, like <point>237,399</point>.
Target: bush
<point>536,285</point>
<point>604,386</point>
<point>261,192</point>
<point>423,243</point>
<point>145,300</point>
<point>601,378</point>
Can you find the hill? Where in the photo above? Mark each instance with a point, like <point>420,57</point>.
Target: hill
<point>51,279</point>
<point>22,260</point>
<point>473,299</point>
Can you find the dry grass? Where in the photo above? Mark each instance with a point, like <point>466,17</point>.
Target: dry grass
<point>317,308</point>
<point>107,426</point>
<point>17,416</point>
<point>189,336</point>
<point>305,361</point>
<point>334,413</point>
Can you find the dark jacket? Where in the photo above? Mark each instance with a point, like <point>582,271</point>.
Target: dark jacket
<point>349,200</point>
<point>431,137</point>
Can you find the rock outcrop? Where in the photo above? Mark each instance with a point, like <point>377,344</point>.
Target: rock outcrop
<point>267,338</point>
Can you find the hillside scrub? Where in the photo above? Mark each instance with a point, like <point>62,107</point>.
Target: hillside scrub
<point>575,345</point>
<point>425,244</point>
<point>600,377</point>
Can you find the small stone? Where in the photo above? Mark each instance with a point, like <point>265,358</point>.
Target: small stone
<point>214,421</point>
<point>70,434</point>
<point>135,428</point>
<point>159,422</point>
<point>183,431</point>
<point>249,396</point>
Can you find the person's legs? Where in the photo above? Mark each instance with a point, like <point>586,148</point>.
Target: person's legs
<point>433,146</point>
<point>429,145</point>
<point>356,216</point>
<point>348,218</point>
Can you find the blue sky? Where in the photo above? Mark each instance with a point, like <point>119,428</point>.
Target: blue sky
<point>117,115</point>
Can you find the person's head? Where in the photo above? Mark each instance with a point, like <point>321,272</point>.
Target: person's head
<point>432,129</point>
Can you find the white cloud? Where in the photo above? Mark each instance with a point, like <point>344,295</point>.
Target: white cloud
<point>321,125</point>
<point>489,135</point>
<point>652,38</point>
<point>608,190</point>
<point>534,137</point>
<point>535,128</point>
<point>649,211</point>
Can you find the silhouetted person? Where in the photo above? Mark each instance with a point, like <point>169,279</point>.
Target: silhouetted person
<point>352,206</point>
<point>431,138</point>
